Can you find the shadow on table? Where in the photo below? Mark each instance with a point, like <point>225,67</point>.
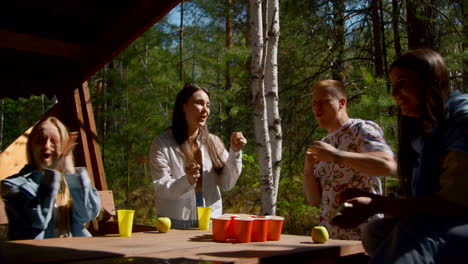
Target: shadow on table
<point>143,260</point>
<point>14,253</point>
<point>148,260</point>
<point>17,253</point>
<point>297,255</point>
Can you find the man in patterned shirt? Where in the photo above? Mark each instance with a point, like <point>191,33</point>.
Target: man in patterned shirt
<point>353,155</point>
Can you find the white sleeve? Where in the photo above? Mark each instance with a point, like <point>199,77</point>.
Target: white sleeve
<point>166,185</point>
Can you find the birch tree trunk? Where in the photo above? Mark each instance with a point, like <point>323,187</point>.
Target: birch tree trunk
<point>260,114</point>
<point>271,88</point>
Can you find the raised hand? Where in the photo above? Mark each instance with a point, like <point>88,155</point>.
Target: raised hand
<point>64,160</point>
<point>238,141</point>
<point>322,151</point>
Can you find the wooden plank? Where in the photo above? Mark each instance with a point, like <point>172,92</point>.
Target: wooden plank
<point>107,202</point>
<point>190,244</point>
<point>3,215</point>
<point>115,39</point>
<point>76,112</point>
<point>40,45</point>
<point>89,124</point>
<point>14,157</point>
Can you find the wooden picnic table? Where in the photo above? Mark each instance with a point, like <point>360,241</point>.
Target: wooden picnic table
<point>176,246</point>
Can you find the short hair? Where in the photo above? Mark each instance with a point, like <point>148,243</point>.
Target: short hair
<point>338,88</point>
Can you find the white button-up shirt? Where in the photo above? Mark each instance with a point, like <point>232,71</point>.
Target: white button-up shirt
<point>174,195</point>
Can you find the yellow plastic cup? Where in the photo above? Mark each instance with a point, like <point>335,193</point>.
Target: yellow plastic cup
<point>204,214</point>
<point>125,218</point>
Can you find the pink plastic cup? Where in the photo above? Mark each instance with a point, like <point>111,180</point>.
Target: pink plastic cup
<point>243,229</point>
<point>275,226</point>
<point>260,229</point>
<point>221,228</point>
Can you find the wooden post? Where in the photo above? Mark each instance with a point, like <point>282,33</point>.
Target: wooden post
<point>77,114</point>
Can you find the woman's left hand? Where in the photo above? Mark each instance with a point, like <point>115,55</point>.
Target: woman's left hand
<point>238,141</point>
<point>355,211</point>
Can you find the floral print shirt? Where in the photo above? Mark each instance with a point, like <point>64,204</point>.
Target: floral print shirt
<point>355,135</point>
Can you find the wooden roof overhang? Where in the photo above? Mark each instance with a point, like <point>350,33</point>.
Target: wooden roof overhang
<point>48,46</point>
<point>53,47</point>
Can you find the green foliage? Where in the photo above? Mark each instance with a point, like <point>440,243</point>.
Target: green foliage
<point>19,115</point>
<point>245,197</point>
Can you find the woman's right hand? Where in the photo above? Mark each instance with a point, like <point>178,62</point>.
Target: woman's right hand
<point>64,161</point>
<point>193,172</point>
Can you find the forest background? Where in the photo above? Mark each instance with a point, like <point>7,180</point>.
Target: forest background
<point>352,41</point>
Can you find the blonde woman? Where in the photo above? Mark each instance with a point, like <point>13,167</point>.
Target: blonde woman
<point>49,197</point>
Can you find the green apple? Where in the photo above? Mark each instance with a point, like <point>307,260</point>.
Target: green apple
<point>163,224</point>
<point>319,234</point>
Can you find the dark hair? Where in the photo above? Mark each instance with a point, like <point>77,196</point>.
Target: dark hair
<point>179,123</point>
<point>431,68</point>
<point>180,128</point>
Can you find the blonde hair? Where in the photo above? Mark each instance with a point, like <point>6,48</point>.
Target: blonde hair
<point>63,199</point>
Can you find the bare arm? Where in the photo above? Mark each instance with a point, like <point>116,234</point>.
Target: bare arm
<point>376,162</point>
<point>312,188</point>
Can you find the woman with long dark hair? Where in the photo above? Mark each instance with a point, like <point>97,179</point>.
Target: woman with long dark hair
<point>49,197</point>
<point>189,165</point>
<point>430,224</point>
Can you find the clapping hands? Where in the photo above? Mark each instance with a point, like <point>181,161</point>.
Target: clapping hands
<point>63,162</point>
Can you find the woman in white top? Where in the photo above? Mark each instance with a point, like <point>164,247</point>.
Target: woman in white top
<point>189,165</point>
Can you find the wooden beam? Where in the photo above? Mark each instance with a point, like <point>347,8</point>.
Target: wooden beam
<point>122,34</point>
<point>77,114</point>
<point>40,45</point>
<point>86,118</point>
